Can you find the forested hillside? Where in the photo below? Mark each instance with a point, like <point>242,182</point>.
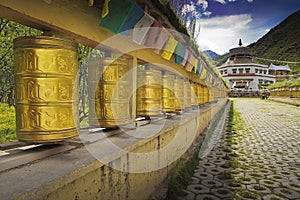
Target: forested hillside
<point>281,43</point>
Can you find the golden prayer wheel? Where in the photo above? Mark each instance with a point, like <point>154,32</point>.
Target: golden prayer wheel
<point>206,94</point>
<point>179,93</point>
<point>108,92</point>
<point>149,92</point>
<point>210,94</point>
<point>200,95</point>
<point>194,97</point>
<point>168,95</point>
<point>295,91</point>
<point>45,82</point>
<point>187,94</point>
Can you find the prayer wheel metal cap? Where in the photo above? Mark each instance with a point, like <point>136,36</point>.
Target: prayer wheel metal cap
<point>45,42</point>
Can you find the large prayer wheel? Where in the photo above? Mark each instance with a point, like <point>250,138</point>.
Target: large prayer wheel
<point>187,94</point>
<point>45,82</point>
<point>200,95</point>
<point>179,93</point>
<point>194,96</point>
<point>149,91</point>
<point>168,95</point>
<point>295,91</point>
<point>108,92</point>
<point>206,94</point>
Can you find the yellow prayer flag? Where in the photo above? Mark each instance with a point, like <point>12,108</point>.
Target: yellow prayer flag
<point>91,2</point>
<point>203,74</point>
<point>195,65</point>
<point>169,48</point>
<point>105,9</point>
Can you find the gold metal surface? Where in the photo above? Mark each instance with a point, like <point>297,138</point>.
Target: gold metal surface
<point>108,92</point>
<point>187,94</point>
<point>194,94</point>
<point>295,92</point>
<point>179,93</point>
<point>206,94</point>
<point>200,95</point>
<point>149,92</point>
<point>168,95</point>
<point>45,82</point>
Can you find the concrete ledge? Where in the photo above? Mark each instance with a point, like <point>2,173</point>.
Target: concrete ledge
<point>129,165</point>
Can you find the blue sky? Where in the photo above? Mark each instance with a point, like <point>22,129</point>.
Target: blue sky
<point>224,22</point>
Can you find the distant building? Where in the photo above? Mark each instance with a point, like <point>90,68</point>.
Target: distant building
<point>281,72</point>
<point>242,73</point>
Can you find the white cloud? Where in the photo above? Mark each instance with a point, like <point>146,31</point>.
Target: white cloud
<point>204,3</point>
<point>221,1</point>
<point>188,8</point>
<point>250,1</point>
<point>219,34</point>
<point>207,13</point>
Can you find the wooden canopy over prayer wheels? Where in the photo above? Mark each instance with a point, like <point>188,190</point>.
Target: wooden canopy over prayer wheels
<point>149,91</point>
<point>187,94</point>
<point>45,82</point>
<point>179,93</point>
<point>109,88</point>
<point>194,94</point>
<point>168,95</point>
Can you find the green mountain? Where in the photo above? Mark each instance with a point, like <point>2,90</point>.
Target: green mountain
<point>281,43</point>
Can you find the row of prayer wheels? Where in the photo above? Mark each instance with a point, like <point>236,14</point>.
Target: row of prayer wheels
<point>293,92</point>
<point>47,90</point>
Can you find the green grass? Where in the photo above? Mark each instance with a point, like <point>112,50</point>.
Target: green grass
<point>7,124</point>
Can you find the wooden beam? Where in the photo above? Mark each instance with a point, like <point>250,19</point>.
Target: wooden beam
<point>75,20</point>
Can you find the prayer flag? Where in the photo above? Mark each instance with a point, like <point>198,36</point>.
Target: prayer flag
<point>185,57</point>
<point>195,65</point>
<point>203,73</point>
<point>169,48</point>
<point>189,65</point>
<point>153,34</point>
<point>141,28</point>
<point>105,9</point>
<point>91,2</point>
<point>179,53</point>
<point>161,40</point>
<point>134,16</point>
<point>117,15</point>
<point>199,68</point>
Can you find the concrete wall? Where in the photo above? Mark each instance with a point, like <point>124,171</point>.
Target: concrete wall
<point>78,175</point>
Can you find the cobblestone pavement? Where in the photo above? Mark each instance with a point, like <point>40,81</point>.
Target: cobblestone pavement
<point>257,157</point>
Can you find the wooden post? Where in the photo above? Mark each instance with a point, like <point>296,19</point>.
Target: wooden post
<point>133,70</point>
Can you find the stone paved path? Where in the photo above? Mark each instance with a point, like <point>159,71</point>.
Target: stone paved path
<point>257,157</point>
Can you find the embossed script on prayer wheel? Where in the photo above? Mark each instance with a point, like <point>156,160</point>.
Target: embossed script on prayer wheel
<point>200,95</point>
<point>205,94</point>
<point>108,92</point>
<point>149,91</point>
<point>179,93</point>
<point>168,95</point>
<point>45,82</point>
<point>194,91</point>
<point>187,94</point>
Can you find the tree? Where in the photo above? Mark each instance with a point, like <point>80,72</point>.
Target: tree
<point>8,32</point>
